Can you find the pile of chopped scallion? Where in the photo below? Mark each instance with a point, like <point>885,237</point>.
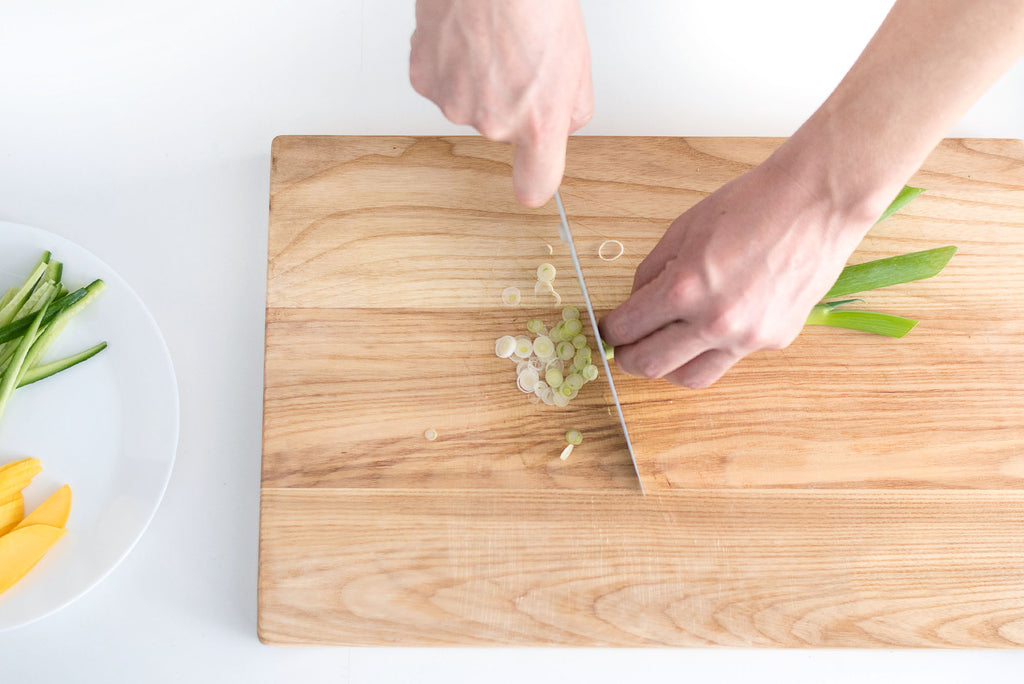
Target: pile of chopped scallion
<point>553,364</point>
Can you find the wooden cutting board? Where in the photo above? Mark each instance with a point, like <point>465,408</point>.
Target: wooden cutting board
<point>850,490</point>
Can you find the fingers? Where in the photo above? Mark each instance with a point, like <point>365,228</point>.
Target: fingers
<point>704,370</point>
<point>665,299</point>
<point>661,352</point>
<point>583,108</point>
<point>537,169</point>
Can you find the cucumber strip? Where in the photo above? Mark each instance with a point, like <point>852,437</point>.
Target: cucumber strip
<point>13,372</point>
<point>866,321</point>
<point>54,271</point>
<point>891,271</point>
<point>56,327</point>
<point>10,310</point>
<point>47,369</point>
<point>17,328</point>
<point>8,296</point>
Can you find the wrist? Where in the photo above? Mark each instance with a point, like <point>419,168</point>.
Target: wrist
<point>844,170</point>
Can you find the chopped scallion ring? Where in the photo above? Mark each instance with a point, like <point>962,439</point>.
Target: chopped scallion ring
<point>528,380</point>
<point>574,437</point>
<point>545,273</point>
<point>569,313</point>
<point>534,325</point>
<point>511,296</point>
<point>565,350</point>
<point>430,434</point>
<point>574,381</point>
<point>554,378</point>
<point>571,328</point>
<point>580,341</point>
<point>589,373</point>
<point>559,399</point>
<point>543,347</point>
<point>600,250</point>
<point>505,346</point>
<point>524,347</point>
<point>566,451</point>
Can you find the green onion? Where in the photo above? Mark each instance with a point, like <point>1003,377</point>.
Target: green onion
<point>866,321</point>
<point>574,381</point>
<point>579,341</point>
<point>574,437</point>
<point>572,328</point>
<point>891,271</point>
<point>570,313</point>
<point>534,325</point>
<point>565,350</point>
<point>554,378</point>
<point>543,347</point>
<point>545,273</point>
<point>902,199</point>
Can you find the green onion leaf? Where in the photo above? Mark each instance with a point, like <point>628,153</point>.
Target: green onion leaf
<point>891,271</point>
<point>903,199</point>
<point>866,321</point>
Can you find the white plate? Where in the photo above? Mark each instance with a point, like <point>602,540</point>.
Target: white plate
<point>108,427</point>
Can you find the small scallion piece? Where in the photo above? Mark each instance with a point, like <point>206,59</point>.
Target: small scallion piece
<point>546,273</point>
<point>574,437</point>
<point>511,296</point>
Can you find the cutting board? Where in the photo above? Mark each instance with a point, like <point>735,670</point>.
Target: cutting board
<point>850,490</point>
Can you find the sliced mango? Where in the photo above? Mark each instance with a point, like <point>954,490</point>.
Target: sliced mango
<point>16,475</point>
<point>54,511</point>
<point>21,549</point>
<point>11,513</point>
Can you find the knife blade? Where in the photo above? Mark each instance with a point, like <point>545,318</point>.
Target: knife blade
<point>566,236</point>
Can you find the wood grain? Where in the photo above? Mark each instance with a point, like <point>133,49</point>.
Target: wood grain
<point>850,490</point>
<point>680,568</point>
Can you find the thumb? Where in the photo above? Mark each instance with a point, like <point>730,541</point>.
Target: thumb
<point>537,170</point>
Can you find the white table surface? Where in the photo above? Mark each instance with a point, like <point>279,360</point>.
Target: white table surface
<point>142,131</point>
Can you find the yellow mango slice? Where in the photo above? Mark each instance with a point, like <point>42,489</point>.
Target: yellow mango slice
<point>21,549</point>
<point>11,513</point>
<point>16,475</point>
<point>54,511</point>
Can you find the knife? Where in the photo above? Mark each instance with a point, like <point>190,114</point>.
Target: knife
<point>567,237</point>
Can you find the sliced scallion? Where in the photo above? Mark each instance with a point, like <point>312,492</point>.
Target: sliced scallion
<point>505,346</point>
<point>511,296</point>
<point>546,273</point>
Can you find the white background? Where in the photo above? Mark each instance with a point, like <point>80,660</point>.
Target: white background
<point>142,131</point>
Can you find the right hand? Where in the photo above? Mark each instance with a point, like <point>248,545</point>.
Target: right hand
<point>518,72</point>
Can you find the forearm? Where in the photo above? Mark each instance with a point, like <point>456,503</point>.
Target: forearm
<point>927,64</point>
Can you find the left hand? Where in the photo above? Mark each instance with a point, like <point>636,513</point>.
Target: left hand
<point>737,273</point>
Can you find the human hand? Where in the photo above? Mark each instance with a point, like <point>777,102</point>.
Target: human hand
<point>518,72</point>
<point>737,273</point>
